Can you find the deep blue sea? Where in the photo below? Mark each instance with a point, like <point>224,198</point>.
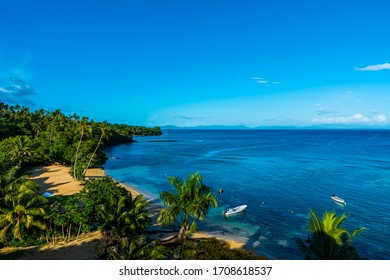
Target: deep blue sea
<point>279,174</point>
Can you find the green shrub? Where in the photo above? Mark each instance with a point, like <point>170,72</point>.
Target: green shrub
<point>211,249</point>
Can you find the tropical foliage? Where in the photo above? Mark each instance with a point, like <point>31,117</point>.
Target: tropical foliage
<point>41,137</point>
<point>327,239</point>
<point>67,218</point>
<point>113,247</point>
<point>47,137</point>
<point>97,193</point>
<point>190,200</point>
<point>124,215</point>
<point>136,130</point>
<point>211,249</point>
<point>22,208</point>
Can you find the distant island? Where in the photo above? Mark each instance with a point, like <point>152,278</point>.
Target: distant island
<point>244,127</point>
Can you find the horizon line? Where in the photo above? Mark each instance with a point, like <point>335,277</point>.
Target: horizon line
<point>284,127</point>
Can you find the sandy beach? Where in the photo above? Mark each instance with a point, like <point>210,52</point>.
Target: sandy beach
<point>57,180</point>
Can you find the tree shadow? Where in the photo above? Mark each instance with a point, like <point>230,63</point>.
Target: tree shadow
<point>51,187</point>
<point>82,250</point>
<point>58,183</point>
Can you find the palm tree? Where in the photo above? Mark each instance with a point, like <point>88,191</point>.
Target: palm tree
<point>10,176</point>
<point>191,200</point>
<point>36,127</point>
<point>105,132</point>
<point>23,209</point>
<point>139,249</point>
<point>21,149</point>
<point>328,239</point>
<point>83,127</point>
<point>125,215</point>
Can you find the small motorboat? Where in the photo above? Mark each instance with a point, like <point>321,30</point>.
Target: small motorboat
<point>234,210</point>
<point>338,199</point>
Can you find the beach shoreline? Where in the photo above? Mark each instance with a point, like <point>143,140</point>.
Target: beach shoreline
<point>156,208</point>
<point>56,180</point>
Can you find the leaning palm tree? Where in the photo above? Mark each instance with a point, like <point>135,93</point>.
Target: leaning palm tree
<point>84,128</point>
<point>191,200</point>
<point>328,239</point>
<point>105,132</point>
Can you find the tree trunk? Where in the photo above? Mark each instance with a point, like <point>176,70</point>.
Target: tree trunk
<point>78,233</point>
<point>181,234</point>
<point>77,154</point>
<point>183,230</point>
<point>53,238</point>
<point>94,152</point>
<point>70,228</point>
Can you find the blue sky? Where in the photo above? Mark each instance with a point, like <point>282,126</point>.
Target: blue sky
<point>187,63</point>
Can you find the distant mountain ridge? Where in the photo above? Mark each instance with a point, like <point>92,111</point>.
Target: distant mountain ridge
<point>206,127</point>
<point>244,127</point>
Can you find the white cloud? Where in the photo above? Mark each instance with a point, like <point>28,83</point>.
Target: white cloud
<point>380,118</point>
<point>4,90</point>
<point>376,67</point>
<point>353,119</point>
<point>323,110</point>
<point>260,80</point>
<point>257,78</point>
<point>263,81</point>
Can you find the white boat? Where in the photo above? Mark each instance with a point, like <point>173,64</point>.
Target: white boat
<point>234,210</point>
<point>338,199</point>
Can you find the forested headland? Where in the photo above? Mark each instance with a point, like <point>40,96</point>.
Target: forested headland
<point>31,138</point>
<point>42,137</point>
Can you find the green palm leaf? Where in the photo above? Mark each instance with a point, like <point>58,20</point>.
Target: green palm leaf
<point>327,238</point>
<point>190,199</point>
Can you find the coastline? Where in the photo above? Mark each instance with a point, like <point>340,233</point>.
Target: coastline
<point>156,208</point>
<point>56,180</point>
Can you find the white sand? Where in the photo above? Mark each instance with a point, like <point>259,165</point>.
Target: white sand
<point>55,179</point>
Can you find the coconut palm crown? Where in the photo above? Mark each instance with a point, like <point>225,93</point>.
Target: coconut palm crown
<point>190,200</point>
<point>328,239</point>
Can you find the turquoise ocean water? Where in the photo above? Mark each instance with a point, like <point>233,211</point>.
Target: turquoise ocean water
<point>279,174</point>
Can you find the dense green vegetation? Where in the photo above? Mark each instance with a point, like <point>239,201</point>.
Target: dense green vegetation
<point>136,130</point>
<point>190,249</point>
<point>39,137</point>
<point>211,249</point>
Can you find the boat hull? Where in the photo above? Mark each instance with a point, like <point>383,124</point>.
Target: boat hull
<point>338,200</point>
<point>234,210</point>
